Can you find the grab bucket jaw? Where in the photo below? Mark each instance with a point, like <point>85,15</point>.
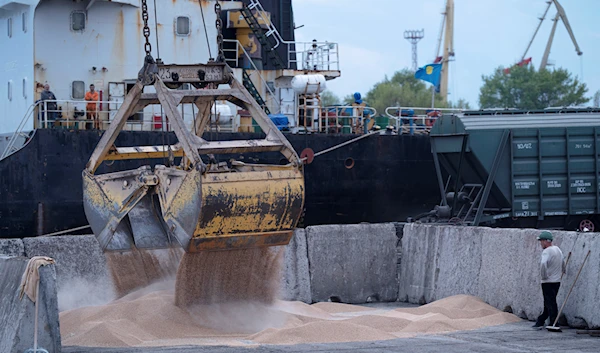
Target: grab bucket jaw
<point>193,205</point>
<point>142,208</point>
<point>180,195</point>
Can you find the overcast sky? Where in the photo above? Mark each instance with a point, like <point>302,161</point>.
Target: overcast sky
<point>487,34</point>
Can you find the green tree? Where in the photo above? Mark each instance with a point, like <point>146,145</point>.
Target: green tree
<point>403,89</point>
<point>597,99</point>
<point>526,88</point>
<point>460,104</point>
<point>328,99</point>
<point>348,99</point>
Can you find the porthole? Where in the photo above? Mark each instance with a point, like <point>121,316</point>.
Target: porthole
<point>349,163</point>
<point>78,21</point>
<point>182,26</point>
<point>78,90</point>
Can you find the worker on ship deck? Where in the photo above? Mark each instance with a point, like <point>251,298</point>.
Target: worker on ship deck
<point>49,107</point>
<point>363,123</point>
<point>92,112</point>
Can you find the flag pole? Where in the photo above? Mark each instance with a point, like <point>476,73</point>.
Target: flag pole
<point>432,96</point>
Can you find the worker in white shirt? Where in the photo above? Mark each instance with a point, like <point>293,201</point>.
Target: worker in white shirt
<point>551,270</point>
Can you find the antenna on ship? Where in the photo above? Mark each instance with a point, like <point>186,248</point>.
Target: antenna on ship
<point>414,36</point>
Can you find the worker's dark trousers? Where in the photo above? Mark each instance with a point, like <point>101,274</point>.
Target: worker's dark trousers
<point>550,291</point>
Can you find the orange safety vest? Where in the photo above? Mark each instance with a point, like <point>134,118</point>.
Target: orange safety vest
<point>432,117</point>
<point>93,98</point>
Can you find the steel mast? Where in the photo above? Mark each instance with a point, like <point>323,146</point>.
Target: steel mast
<point>448,29</point>
<point>414,37</point>
<point>560,15</point>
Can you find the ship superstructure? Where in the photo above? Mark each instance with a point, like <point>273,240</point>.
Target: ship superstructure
<point>70,45</point>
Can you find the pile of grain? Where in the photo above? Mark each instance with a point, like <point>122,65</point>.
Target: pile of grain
<point>150,318</point>
<point>229,298</point>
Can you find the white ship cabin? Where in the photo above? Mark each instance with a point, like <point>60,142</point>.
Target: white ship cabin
<point>68,45</point>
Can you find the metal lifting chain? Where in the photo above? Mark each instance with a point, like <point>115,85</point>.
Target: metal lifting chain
<point>219,26</point>
<point>147,46</point>
<point>148,71</point>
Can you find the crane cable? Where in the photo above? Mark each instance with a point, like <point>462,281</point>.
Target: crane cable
<point>156,32</point>
<point>205,30</point>
<point>148,50</point>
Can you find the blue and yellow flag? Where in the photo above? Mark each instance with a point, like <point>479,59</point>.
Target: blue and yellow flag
<point>430,73</point>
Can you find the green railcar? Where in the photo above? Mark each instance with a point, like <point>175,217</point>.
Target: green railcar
<point>518,168</point>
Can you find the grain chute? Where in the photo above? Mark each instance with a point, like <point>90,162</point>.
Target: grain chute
<point>195,204</point>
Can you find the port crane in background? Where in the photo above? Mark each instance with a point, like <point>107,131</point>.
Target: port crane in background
<point>560,15</point>
<point>447,33</point>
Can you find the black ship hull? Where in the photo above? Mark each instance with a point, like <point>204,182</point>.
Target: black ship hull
<point>381,178</point>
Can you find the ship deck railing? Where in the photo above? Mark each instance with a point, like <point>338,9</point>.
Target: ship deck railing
<point>74,115</point>
<point>310,56</point>
<point>313,56</point>
<point>416,120</point>
<point>305,56</point>
<point>336,119</point>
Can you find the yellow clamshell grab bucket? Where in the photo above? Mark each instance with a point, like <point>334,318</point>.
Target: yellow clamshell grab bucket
<point>195,205</point>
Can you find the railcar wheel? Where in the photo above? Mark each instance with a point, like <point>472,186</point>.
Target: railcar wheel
<point>586,226</point>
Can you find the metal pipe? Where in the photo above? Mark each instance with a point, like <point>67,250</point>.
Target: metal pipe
<point>66,231</point>
<point>456,182</point>
<point>40,218</point>
<point>438,171</point>
<point>491,177</point>
<point>341,145</point>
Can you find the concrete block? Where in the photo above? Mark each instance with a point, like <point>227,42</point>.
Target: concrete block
<point>12,247</point>
<point>501,266</point>
<point>519,286</point>
<point>76,256</point>
<point>582,309</point>
<point>418,270</point>
<point>510,271</point>
<point>352,263</point>
<point>17,317</point>
<point>295,284</point>
<point>458,254</point>
<point>82,274</point>
<point>399,233</point>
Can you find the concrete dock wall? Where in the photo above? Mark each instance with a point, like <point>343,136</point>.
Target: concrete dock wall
<point>352,263</point>
<point>388,262</point>
<point>12,247</point>
<point>349,263</point>
<point>17,316</point>
<point>295,284</point>
<point>76,256</point>
<point>501,266</point>
<point>81,270</point>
